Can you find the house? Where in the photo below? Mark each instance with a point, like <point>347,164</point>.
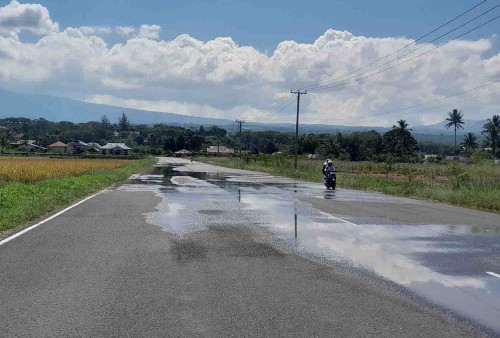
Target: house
<point>94,148</point>
<point>58,147</point>
<point>77,147</point>
<point>455,158</point>
<point>28,146</point>
<point>115,149</point>
<point>431,157</point>
<point>183,152</point>
<point>215,150</point>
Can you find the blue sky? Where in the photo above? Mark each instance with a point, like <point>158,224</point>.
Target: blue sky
<point>234,59</point>
<point>264,23</point>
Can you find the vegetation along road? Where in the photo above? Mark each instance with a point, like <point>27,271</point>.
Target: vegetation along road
<point>200,250</point>
<point>468,185</point>
<point>33,187</point>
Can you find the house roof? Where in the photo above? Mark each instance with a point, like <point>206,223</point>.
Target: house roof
<point>78,144</point>
<point>183,151</point>
<point>95,145</point>
<point>219,149</point>
<point>116,145</point>
<point>22,142</point>
<point>57,145</point>
<point>30,144</point>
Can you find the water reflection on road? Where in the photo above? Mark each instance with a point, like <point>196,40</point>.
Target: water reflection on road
<point>444,264</point>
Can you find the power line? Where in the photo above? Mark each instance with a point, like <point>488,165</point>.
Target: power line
<point>275,113</point>
<point>398,50</point>
<point>279,104</point>
<point>356,78</point>
<point>419,104</point>
<point>345,82</point>
<point>272,112</point>
<point>410,59</point>
<point>446,104</point>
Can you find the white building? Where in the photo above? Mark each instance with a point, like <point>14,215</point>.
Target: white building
<point>115,149</point>
<point>220,150</point>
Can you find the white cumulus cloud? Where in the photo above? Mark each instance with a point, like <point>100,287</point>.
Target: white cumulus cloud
<point>149,32</point>
<point>35,18</point>
<point>221,78</point>
<point>143,32</point>
<point>125,31</point>
<point>95,30</point>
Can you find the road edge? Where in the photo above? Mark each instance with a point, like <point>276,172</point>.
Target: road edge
<point>45,220</point>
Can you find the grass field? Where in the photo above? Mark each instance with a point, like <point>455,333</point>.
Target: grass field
<point>473,186</point>
<point>15,169</point>
<point>49,185</point>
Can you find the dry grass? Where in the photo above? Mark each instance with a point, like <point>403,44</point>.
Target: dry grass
<point>34,169</point>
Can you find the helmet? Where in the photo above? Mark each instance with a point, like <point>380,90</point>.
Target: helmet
<point>329,161</point>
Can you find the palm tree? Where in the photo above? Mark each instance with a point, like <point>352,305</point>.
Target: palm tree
<point>402,126</point>
<point>470,142</point>
<point>455,118</point>
<point>492,132</point>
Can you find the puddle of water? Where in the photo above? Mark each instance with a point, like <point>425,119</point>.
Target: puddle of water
<point>444,264</point>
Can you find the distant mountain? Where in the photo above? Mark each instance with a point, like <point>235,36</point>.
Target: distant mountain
<point>56,109</point>
<point>60,109</point>
<point>311,128</point>
<point>470,126</point>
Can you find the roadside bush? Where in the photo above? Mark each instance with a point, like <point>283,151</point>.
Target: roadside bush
<point>480,157</point>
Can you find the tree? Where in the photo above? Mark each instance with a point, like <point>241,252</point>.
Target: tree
<point>124,123</point>
<point>455,119</point>
<point>492,132</point>
<point>180,142</point>
<point>105,121</point>
<point>400,142</point>
<point>402,126</point>
<point>470,142</point>
<point>216,132</point>
<point>139,139</point>
<point>169,144</point>
<point>4,138</point>
<point>270,147</point>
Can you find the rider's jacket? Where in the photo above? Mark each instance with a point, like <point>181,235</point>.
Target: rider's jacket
<point>327,167</point>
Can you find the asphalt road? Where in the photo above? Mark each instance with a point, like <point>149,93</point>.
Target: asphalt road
<point>198,250</point>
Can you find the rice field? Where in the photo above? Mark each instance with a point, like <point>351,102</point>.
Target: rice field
<point>36,187</point>
<point>28,170</point>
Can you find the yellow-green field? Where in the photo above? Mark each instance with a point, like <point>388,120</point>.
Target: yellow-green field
<point>34,169</point>
<point>34,187</point>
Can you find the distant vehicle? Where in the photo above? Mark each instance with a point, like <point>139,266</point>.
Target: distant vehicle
<point>330,179</point>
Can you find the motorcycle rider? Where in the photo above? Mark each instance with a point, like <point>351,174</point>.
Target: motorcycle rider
<point>327,166</point>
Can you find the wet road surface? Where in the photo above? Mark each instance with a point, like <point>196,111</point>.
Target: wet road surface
<point>199,250</point>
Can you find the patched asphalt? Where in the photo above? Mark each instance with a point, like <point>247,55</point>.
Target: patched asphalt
<point>198,250</point>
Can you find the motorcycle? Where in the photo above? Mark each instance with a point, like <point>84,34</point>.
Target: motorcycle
<point>330,179</point>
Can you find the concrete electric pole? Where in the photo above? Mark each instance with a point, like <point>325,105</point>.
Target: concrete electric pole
<point>240,125</point>
<point>298,93</point>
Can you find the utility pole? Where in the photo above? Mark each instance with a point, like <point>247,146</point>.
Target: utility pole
<point>240,122</point>
<point>298,93</point>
